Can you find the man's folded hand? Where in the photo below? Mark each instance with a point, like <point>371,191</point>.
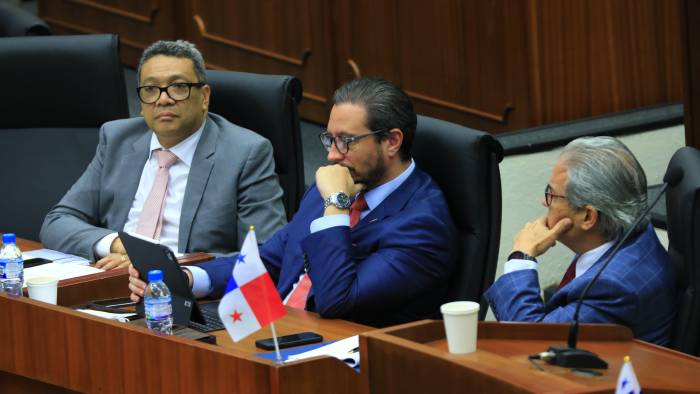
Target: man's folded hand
<point>113,261</point>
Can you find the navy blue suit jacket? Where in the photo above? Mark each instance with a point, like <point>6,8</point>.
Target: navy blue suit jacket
<point>391,268</point>
<point>635,290</point>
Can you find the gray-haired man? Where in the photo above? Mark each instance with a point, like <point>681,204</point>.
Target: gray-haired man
<point>179,174</point>
<point>595,193</point>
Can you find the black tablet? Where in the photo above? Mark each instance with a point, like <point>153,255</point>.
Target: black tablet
<point>147,256</point>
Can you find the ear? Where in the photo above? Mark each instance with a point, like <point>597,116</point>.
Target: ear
<point>590,218</point>
<point>206,93</point>
<point>392,143</point>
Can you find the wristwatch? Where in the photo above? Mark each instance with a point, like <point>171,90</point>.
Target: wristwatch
<point>518,255</point>
<point>339,199</point>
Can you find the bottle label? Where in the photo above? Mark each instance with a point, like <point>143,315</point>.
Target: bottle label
<point>2,269</point>
<point>13,269</point>
<point>158,311</point>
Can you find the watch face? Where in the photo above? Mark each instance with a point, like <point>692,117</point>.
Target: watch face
<point>343,200</point>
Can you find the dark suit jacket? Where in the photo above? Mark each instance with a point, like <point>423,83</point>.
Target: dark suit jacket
<point>231,185</point>
<point>635,290</point>
<point>391,268</point>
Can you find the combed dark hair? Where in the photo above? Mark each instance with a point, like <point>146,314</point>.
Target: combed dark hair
<point>603,173</point>
<point>387,107</point>
<point>179,48</point>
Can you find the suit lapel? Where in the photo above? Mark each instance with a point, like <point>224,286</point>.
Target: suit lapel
<point>394,202</point>
<point>129,169</point>
<point>202,164</point>
<point>560,298</point>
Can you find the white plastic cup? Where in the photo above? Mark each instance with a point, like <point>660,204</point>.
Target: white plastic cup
<point>461,321</point>
<point>43,288</point>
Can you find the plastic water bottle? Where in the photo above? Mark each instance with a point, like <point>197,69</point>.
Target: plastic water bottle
<point>11,266</point>
<point>158,304</point>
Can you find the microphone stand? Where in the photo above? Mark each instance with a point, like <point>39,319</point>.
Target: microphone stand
<point>570,356</point>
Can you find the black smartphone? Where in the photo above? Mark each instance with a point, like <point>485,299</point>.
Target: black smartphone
<point>302,338</point>
<point>115,302</point>
<point>33,262</point>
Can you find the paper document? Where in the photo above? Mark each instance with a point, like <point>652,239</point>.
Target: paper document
<point>122,317</point>
<point>60,271</point>
<point>55,256</point>
<point>345,350</point>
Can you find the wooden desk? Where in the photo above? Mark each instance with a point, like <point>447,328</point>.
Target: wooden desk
<point>103,285</point>
<point>413,358</point>
<point>49,348</point>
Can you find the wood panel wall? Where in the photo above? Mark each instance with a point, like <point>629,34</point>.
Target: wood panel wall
<point>270,36</point>
<point>496,65</point>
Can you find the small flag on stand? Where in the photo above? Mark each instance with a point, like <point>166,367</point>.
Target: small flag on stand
<point>251,300</point>
<point>627,382</point>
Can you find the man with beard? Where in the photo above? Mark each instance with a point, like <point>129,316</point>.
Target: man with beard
<point>373,240</point>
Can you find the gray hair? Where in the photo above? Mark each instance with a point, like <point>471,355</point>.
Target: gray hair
<point>179,48</point>
<point>603,173</point>
<point>387,107</point>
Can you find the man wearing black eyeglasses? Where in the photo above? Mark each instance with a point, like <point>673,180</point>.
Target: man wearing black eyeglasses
<point>179,174</point>
<point>595,194</point>
<point>373,240</point>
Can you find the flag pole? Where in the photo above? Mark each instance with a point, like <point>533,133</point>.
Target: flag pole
<point>277,346</point>
<point>272,324</point>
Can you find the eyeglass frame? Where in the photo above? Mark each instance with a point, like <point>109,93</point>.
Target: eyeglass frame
<point>189,85</point>
<point>549,196</point>
<point>346,140</point>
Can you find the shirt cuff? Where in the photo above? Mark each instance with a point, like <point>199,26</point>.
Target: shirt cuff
<point>329,221</point>
<point>517,265</point>
<point>102,247</point>
<point>201,283</point>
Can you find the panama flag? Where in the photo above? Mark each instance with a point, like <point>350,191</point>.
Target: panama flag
<point>627,382</point>
<point>251,300</point>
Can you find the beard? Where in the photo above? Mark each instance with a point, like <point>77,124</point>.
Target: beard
<point>375,174</point>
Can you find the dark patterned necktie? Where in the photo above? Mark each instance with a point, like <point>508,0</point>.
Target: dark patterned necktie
<point>569,275</point>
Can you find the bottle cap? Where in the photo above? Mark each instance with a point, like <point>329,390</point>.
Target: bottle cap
<point>155,275</point>
<point>8,238</point>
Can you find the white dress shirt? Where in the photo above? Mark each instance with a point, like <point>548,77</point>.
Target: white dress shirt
<point>201,284</point>
<point>177,183</point>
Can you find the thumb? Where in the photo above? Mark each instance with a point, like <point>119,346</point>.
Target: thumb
<point>561,227</point>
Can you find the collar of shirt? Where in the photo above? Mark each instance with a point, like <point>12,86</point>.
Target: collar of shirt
<point>586,260</point>
<point>184,150</point>
<point>375,196</point>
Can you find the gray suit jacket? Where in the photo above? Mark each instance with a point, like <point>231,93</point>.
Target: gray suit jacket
<point>231,185</point>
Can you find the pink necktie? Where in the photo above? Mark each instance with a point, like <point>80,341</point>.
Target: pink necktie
<point>359,205</point>
<point>569,275</point>
<point>151,219</point>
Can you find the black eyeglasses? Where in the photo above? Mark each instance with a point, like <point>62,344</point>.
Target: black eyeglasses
<point>548,195</point>
<point>177,91</point>
<point>342,142</point>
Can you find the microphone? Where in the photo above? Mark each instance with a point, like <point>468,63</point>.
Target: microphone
<point>570,356</point>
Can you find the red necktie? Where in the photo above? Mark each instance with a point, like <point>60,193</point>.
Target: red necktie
<point>297,298</point>
<point>359,205</point>
<point>569,275</point>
